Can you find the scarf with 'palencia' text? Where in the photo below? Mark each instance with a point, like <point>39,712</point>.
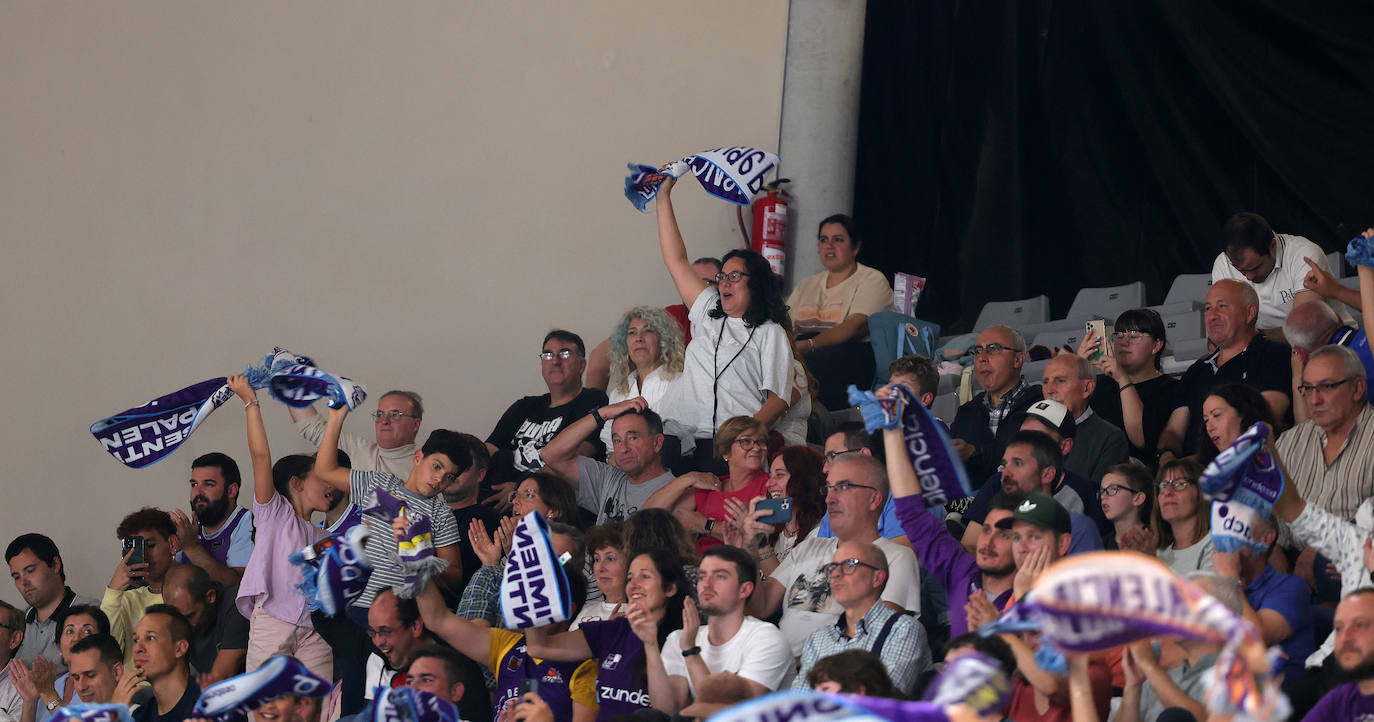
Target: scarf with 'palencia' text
<point>732,174</point>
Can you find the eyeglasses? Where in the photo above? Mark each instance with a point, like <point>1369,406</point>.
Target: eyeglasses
<point>991,348</point>
<point>747,443</point>
<point>1132,336</point>
<point>563,353</point>
<point>1114,489</point>
<point>380,632</point>
<point>393,415</point>
<point>1325,387</point>
<point>846,567</point>
<point>529,494</point>
<point>732,277</point>
<point>830,456</point>
<point>1175,484</point>
<point>843,486</point>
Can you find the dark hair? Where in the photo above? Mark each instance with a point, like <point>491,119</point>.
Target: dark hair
<point>416,407</point>
<point>804,465</point>
<point>557,494</point>
<point>850,229</point>
<point>610,534</point>
<point>147,519</point>
<point>477,449</point>
<point>1139,479</point>
<point>853,670</point>
<point>566,337</point>
<point>1192,470</point>
<point>450,444</point>
<point>102,622</point>
<point>669,569</point>
<point>453,661</point>
<point>16,618</point>
<point>41,546</point>
<point>651,419</point>
<point>197,582</point>
<point>1247,230</point>
<point>1248,402</point>
<point>1003,501</point>
<point>290,467</point>
<point>652,528</point>
<point>1144,320</point>
<point>577,556</point>
<point>407,610</point>
<point>177,625</point>
<point>110,653</point>
<point>992,646</point>
<point>227,466</point>
<point>920,367</point>
<point>855,435</point>
<point>765,291</point>
<point>577,585</point>
<point>1044,449</point>
<point>745,566</point>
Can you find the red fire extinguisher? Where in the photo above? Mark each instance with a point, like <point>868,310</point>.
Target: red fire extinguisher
<point>769,236</point>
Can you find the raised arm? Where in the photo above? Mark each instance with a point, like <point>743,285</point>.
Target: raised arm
<point>560,647</point>
<point>1367,294</point>
<point>1171,438</point>
<point>561,453</point>
<point>258,451</point>
<point>327,460</point>
<point>472,640</point>
<point>689,284</point>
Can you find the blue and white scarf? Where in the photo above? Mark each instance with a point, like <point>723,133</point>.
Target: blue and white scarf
<point>732,174</point>
<point>535,590</point>
<point>146,434</point>
<point>1243,483</point>
<point>235,697</point>
<point>335,570</point>
<point>1360,252</point>
<point>938,467</point>
<point>406,704</point>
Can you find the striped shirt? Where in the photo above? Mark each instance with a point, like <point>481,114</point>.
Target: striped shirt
<point>381,544</point>
<point>1340,487</point>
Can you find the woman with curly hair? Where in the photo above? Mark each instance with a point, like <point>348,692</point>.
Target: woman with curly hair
<point>646,357</point>
<point>739,362</point>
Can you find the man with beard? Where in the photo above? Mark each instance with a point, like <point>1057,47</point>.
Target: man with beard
<point>1354,629</point>
<point>730,641</point>
<point>218,536</point>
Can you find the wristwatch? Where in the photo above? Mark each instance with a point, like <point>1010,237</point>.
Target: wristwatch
<point>52,705</point>
<point>710,524</point>
<point>690,652</point>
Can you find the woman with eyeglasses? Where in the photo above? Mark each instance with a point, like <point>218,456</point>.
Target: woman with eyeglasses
<point>698,498</point>
<point>1180,523</point>
<point>632,675</point>
<point>646,357</point>
<point>795,474</point>
<point>1227,412</point>
<point>739,362</point>
<point>1125,499</point>
<point>1133,392</point>
<point>831,310</point>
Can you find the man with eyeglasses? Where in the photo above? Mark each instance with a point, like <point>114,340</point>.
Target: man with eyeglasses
<point>978,432</point>
<point>855,493</point>
<point>396,423</point>
<point>1313,325</point>
<point>1132,392</point>
<point>858,574</point>
<point>1329,457</point>
<point>397,631</point>
<point>1274,264</point>
<point>530,423</point>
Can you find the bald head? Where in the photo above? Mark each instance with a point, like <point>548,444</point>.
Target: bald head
<point>1230,311</point>
<point>1309,326</point>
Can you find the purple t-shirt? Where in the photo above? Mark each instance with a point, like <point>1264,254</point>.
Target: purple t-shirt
<point>622,684</point>
<point>944,557</point>
<point>1343,704</point>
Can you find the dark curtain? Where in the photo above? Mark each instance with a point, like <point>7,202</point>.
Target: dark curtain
<point>1011,148</point>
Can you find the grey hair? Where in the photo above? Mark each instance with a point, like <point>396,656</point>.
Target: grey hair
<point>876,471</point>
<point>1086,370</point>
<point>415,403</point>
<point>1351,367</point>
<point>1017,340</point>
<point>1225,589</point>
<point>1309,325</point>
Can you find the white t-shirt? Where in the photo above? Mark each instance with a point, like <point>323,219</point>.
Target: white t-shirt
<point>747,367</point>
<point>377,675</point>
<point>1285,281</point>
<point>758,652</point>
<point>807,604</point>
<point>656,384</point>
<point>599,611</point>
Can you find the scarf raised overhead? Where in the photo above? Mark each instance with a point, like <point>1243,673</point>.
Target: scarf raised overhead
<point>731,174</point>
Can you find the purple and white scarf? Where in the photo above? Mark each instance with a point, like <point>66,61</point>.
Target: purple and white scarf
<point>974,679</point>
<point>406,704</point>
<point>1243,482</point>
<point>335,570</point>
<point>534,590</point>
<point>235,697</point>
<point>91,712</point>
<point>938,467</point>
<point>415,551</point>
<point>732,174</point>
<point>806,705</point>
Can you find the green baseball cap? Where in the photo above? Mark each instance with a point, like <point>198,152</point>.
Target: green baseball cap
<point>1041,510</point>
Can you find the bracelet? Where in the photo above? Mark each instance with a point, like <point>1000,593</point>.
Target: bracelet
<point>251,404</point>
<point>691,652</point>
<point>596,416</point>
<point>1127,386</point>
<point>812,341</point>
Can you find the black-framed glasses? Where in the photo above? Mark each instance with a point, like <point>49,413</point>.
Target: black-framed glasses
<point>562,353</point>
<point>747,443</point>
<point>732,277</point>
<point>394,415</point>
<point>843,486</point>
<point>1132,336</point>
<point>830,456</point>
<point>846,567</point>
<point>1113,490</point>
<point>1325,387</point>
<point>1175,484</point>
<point>992,348</point>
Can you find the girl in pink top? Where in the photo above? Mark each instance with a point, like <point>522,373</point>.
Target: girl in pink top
<point>284,496</point>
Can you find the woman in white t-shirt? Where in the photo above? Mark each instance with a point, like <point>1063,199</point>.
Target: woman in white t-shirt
<point>646,354</point>
<point>739,362</point>
<point>830,312</point>
<point>605,545</point>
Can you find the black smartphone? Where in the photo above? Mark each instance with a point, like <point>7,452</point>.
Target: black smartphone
<point>781,508</point>
<point>134,543</point>
<point>527,685</point>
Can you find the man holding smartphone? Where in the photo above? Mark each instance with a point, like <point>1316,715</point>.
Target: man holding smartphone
<point>137,585</point>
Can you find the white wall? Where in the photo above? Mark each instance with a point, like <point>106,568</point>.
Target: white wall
<point>412,192</point>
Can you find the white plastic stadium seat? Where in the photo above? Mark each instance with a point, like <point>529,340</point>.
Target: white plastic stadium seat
<point>945,406</point>
<point>1190,350</point>
<point>1335,261</point>
<point>1014,313</point>
<point>1107,302</point>
<point>1189,287</point>
<point>1034,371</point>
<point>1184,326</point>
<point>1164,309</point>
<point>1055,339</point>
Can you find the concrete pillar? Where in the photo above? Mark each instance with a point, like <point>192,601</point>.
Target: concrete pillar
<point>820,119</point>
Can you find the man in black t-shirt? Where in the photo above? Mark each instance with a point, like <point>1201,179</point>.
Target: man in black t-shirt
<point>1132,392</point>
<point>219,632</point>
<point>461,497</point>
<point>533,421</point>
<point>1243,355</point>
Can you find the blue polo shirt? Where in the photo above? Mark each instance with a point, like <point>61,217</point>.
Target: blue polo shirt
<point>1357,341</point>
<point>1289,596</point>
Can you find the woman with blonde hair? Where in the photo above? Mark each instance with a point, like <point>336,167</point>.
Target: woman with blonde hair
<point>646,354</point>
